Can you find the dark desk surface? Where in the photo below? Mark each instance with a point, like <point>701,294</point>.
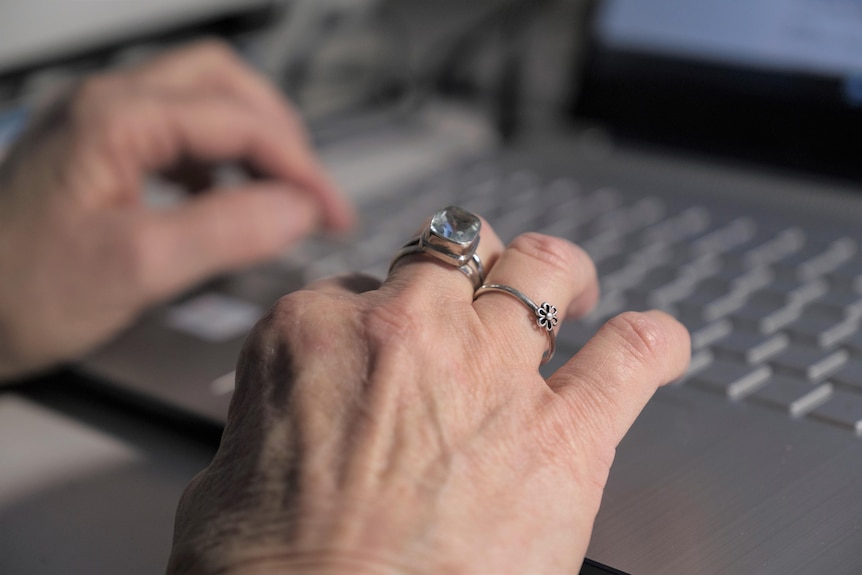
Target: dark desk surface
<point>88,485</point>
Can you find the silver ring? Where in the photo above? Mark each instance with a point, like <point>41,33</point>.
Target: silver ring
<point>452,236</point>
<point>546,314</point>
<point>473,269</point>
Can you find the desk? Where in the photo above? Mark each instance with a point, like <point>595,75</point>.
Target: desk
<point>87,486</point>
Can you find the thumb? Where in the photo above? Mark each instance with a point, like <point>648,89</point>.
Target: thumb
<point>220,231</point>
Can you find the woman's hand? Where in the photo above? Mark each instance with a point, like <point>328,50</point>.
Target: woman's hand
<point>80,255</point>
<point>406,429</point>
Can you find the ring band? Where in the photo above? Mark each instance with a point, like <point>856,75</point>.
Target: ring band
<point>473,269</point>
<point>546,314</point>
<point>452,236</point>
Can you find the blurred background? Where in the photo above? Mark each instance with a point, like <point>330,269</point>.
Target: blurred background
<point>337,59</point>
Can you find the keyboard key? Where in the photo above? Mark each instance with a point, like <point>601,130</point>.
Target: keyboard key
<point>560,191</point>
<point>700,360</point>
<point>822,332</point>
<point>657,277</point>
<point>626,277</point>
<point>848,277</point>
<point>709,307</point>
<point>736,280</point>
<point>850,375</point>
<point>601,202</point>
<point>753,280</point>
<point>644,213</point>
<point>843,409</point>
<point>782,245</point>
<point>797,396</point>
<point>612,264</point>
<point>751,348</point>
<point>700,268</point>
<point>810,363</point>
<point>690,222</point>
<point>736,233</point>
<point>630,219</point>
<point>735,380</point>
<point>604,246</point>
<point>838,304</point>
<point>787,292</point>
<point>654,254</point>
<point>663,298</point>
<point>807,266</point>
<point>765,319</point>
<point>708,333</point>
<point>610,304</point>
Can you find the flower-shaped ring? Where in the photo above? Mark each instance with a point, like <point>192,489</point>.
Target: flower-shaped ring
<point>545,314</point>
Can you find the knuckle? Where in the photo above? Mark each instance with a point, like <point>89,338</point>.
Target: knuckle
<point>274,338</point>
<point>213,50</point>
<point>305,320</point>
<point>286,314</point>
<point>642,337</point>
<point>411,327</point>
<point>556,253</point>
<point>395,324</point>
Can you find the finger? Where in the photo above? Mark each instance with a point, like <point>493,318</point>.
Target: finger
<point>151,130</point>
<point>213,66</point>
<point>545,269</point>
<point>217,232</point>
<point>349,284</point>
<point>435,278</point>
<point>610,380</point>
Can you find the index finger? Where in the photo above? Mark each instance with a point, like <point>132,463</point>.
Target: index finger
<point>611,379</point>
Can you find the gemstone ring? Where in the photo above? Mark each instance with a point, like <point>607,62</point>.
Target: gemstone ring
<point>545,314</point>
<point>452,236</point>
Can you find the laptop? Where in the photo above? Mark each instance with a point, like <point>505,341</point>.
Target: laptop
<point>711,173</point>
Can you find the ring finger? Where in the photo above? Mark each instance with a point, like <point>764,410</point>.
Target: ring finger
<point>545,270</point>
<point>437,277</point>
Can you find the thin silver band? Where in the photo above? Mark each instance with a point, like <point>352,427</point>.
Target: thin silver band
<point>475,272</point>
<point>546,314</point>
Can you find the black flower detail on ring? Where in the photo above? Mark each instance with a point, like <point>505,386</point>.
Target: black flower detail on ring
<point>547,316</point>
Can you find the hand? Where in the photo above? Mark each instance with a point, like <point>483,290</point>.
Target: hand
<point>80,255</point>
<point>406,429</point>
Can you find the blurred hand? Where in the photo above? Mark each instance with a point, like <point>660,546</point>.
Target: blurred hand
<point>80,255</point>
<point>406,429</point>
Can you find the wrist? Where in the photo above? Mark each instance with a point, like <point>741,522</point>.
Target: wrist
<point>326,562</point>
<point>290,544</point>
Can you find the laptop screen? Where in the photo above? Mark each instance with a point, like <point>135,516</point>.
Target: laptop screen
<point>805,36</point>
<point>780,79</point>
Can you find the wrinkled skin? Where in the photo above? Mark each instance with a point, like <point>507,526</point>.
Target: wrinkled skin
<point>87,255</point>
<point>406,429</point>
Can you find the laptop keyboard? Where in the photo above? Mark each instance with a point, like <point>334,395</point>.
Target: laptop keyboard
<point>774,307</point>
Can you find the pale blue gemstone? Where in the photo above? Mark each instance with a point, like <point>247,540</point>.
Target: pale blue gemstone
<point>456,225</point>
